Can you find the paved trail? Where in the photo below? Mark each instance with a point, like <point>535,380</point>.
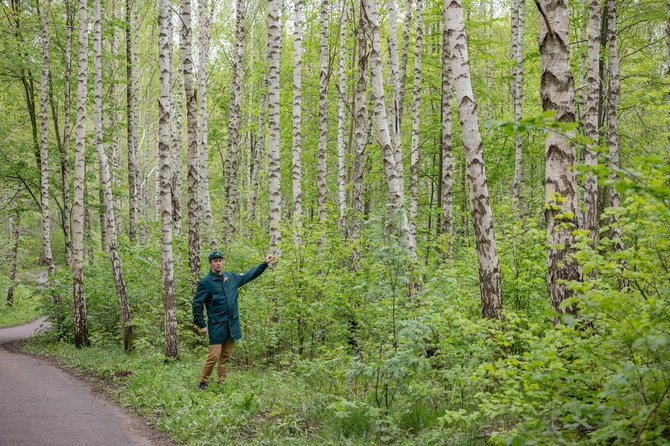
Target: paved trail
<point>42,405</point>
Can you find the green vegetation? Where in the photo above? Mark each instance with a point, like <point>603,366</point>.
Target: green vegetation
<point>26,305</point>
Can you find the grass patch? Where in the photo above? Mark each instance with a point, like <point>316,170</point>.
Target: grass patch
<point>26,307</point>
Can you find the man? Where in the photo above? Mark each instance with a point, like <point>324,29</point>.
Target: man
<point>217,291</point>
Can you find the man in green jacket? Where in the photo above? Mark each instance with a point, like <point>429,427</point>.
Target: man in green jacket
<point>217,291</point>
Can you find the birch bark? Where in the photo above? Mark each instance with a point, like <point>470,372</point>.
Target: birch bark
<point>132,8</point>
<point>274,181</point>
<point>518,22</point>
<point>482,216</point>
<point>194,209</point>
<point>106,180</point>
<point>80,323</point>
<point>447,151</point>
<point>65,162</point>
<point>204,20</point>
<point>177,141</point>
<point>15,229</point>
<point>557,92</point>
<point>341,117</point>
<point>322,187</point>
<point>164,130</point>
<point>296,148</point>
<point>416,119</point>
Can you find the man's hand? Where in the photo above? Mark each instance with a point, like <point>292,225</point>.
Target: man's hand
<point>269,258</point>
<point>204,330</point>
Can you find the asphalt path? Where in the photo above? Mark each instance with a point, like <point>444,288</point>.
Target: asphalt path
<point>42,405</point>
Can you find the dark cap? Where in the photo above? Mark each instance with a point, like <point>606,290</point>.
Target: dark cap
<point>215,255</point>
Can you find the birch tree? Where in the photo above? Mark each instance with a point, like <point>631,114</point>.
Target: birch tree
<point>447,173</point>
<point>341,117</point>
<point>518,22</point>
<point>65,158</point>
<point>274,181</point>
<point>234,123</point>
<point>296,145</point>
<point>80,323</point>
<point>321,185</point>
<point>193,193</point>
<point>667,72</point>
<point>416,119</point>
<point>591,118</point>
<point>393,180</point>
<point>14,226</point>
<point>204,20</point>
<point>44,140</point>
<point>482,216</point>
<point>176,99</point>
<point>132,8</point>
<point>164,131</point>
<point>557,92</point>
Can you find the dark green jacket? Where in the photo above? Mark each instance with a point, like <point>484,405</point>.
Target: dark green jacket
<point>218,293</point>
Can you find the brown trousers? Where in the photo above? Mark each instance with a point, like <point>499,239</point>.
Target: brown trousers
<point>218,354</point>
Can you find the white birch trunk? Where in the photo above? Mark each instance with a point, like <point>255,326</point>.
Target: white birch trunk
<point>44,140</point>
<point>591,118</point>
<point>518,22</point>
<point>667,72</point>
<point>106,180</point>
<point>416,119</point>
<point>177,142</point>
<point>482,216</point>
<point>132,8</point>
<point>403,71</point>
<point>193,198</point>
<point>204,21</point>
<point>164,130</point>
<point>274,180</point>
<point>80,323</point>
<point>321,185</point>
<point>296,149</point>
<point>447,176</point>
<point>612,120</point>
<point>557,91</point>
<point>394,182</point>
<point>14,228</point>
<point>341,122</point>
<point>67,137</point>
<point>395,75</point>
<point>234,124</point>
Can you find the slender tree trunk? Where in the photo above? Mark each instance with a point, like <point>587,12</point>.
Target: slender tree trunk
<point>15,227</point>
<point>612,120</point>
<point>274,182</point>
<point>557,91</point>
<point>482,216</point>
<point>447,150</point>
<point>204,13</point>
<point>359,117</point>
<point>232,195</point>
<point>177,125</point>
<point>667,75</point>
<point>106,180</point>
<point>592,108</point>
<point>132,7</point>
<point>394,182</point>
<point>80,323</point>
<point>518,22</point>
<point>394,114</point>
<point>296,150</point>
<point>321,185</point>
<point>65,162</point>
<point>259,155</point>
<point>164,130</point>
<point>114,121</point>
<point>341,122</point>
<point>416,119</point>
<point>403,73</point>
<point>194,210</point>
<point>44,142</point>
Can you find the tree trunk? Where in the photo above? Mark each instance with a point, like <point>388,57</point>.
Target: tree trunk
<point>557,91</point>
<point>667,75</point>
<point>194,210</point>
<point>482,216</point>
<point>132,8</point>
<point>15,226</point>
<point>359,117</point>
<point>164,130</point>
<point>274,182</point>
<point>321,185</point>
<point>106,180</point>
<point>341,117</point>
<point>518,22</point>
<point>416,119</point>
<point>259,155</point>
<point>204,14</point>
<point>65,162</point>
<point>403,73</point>
<point>612,120</point>
<point>231,195</point>
<point>44,142</point>
<point>395,189</point>
<point>591,118</point>
<point>395,76</point>
<point>296,149</point>
<point>177,125</point>
<point>80,323</point>
<point>447,177</point>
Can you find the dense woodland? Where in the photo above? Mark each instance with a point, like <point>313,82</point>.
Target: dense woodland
<point>468,201</point>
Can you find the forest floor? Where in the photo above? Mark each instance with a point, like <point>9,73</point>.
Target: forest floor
<point>42,404</point>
